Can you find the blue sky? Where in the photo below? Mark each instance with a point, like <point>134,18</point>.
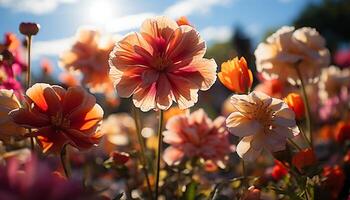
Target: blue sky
<point>59,19</point>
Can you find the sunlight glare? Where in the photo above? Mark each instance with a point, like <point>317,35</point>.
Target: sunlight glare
<point>100,12</point>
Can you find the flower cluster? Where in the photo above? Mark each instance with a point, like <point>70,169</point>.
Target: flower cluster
<point>280,135</point>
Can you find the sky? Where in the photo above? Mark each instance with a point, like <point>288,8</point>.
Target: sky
<point>215,19</point>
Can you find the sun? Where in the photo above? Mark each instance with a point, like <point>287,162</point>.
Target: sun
<point>100,12</point>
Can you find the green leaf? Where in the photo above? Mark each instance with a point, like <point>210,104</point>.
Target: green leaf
<point>190,193</point>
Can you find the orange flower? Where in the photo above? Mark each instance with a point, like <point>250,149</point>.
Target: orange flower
<point>304,159</point>
<point>342,132</point>
<point>58,117</point>
<point>346,158</point>
<point>334,181</point>
<point>68,79</point>
<point>236,75</point>
<point>183,21</point>
<point>161,64</point>
<point>296,103</point>
<point>46,66</point>
<point>173,111</point>
<point>89,55</point>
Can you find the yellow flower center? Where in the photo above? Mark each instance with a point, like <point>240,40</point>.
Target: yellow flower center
<point>263,114</point>
<point>161,63</point>
<point>59,121</point>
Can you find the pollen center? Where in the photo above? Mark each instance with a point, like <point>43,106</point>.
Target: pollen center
<point>264,115</point>
<point>59,121</point>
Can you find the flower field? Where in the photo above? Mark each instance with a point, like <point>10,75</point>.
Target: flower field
<point>161,113</point>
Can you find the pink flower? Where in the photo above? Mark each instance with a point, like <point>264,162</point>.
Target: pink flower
<point>161,64</point>
<point>196,135</point>
<point>34,180</point>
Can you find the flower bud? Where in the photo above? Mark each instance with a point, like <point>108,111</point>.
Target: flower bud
<point>28,28</point>
<point>296,103</point>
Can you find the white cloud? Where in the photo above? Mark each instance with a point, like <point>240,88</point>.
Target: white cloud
<point>189,7</point>
<point>50,47</point>
<point>216,33</point>
<point>57,46</point>
<point>33,6</point>
<point>128,22</point>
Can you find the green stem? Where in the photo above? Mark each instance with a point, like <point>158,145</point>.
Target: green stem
<point>143,159</point>
<point>294,144</point>
<point>65,161</point>
<point>306,194</point>
<point>28,81</point>
<point>306,104</point>
<point>304,137</point>
<point>160,139</point>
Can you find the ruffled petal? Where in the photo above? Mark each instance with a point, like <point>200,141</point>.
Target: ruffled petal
<point>185,43</point>
<point>145,98</point>
<point>159,27</point>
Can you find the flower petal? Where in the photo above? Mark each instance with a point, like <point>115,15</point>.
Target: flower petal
<point>29,119</point>
<point>172,155</point>
<point>246,151</point>
<point>241,126</point>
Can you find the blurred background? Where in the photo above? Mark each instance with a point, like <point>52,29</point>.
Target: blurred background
<point>230,27</point>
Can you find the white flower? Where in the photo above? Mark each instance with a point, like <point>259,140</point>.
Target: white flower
<point>278,56</point>
<point>262,122</point>
<point>333,80</point>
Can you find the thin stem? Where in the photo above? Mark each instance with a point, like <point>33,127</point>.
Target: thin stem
<point>306,104</point>
<point>160,139</point>
<point>244,174</point>
<point>65,161</point>
<point>29,44</point>
<point>295,144</point>
<point>143,159</point>
<point>304,137</point>
<point>306,194</point>
<point>28,82</point>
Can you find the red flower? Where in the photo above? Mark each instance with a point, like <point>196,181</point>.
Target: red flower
<point>334,182</point>
<point>120,158</point>
<point>58,117</point>
<point>303,159</point>
<point>278,171</point>
<point>342,132</point>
